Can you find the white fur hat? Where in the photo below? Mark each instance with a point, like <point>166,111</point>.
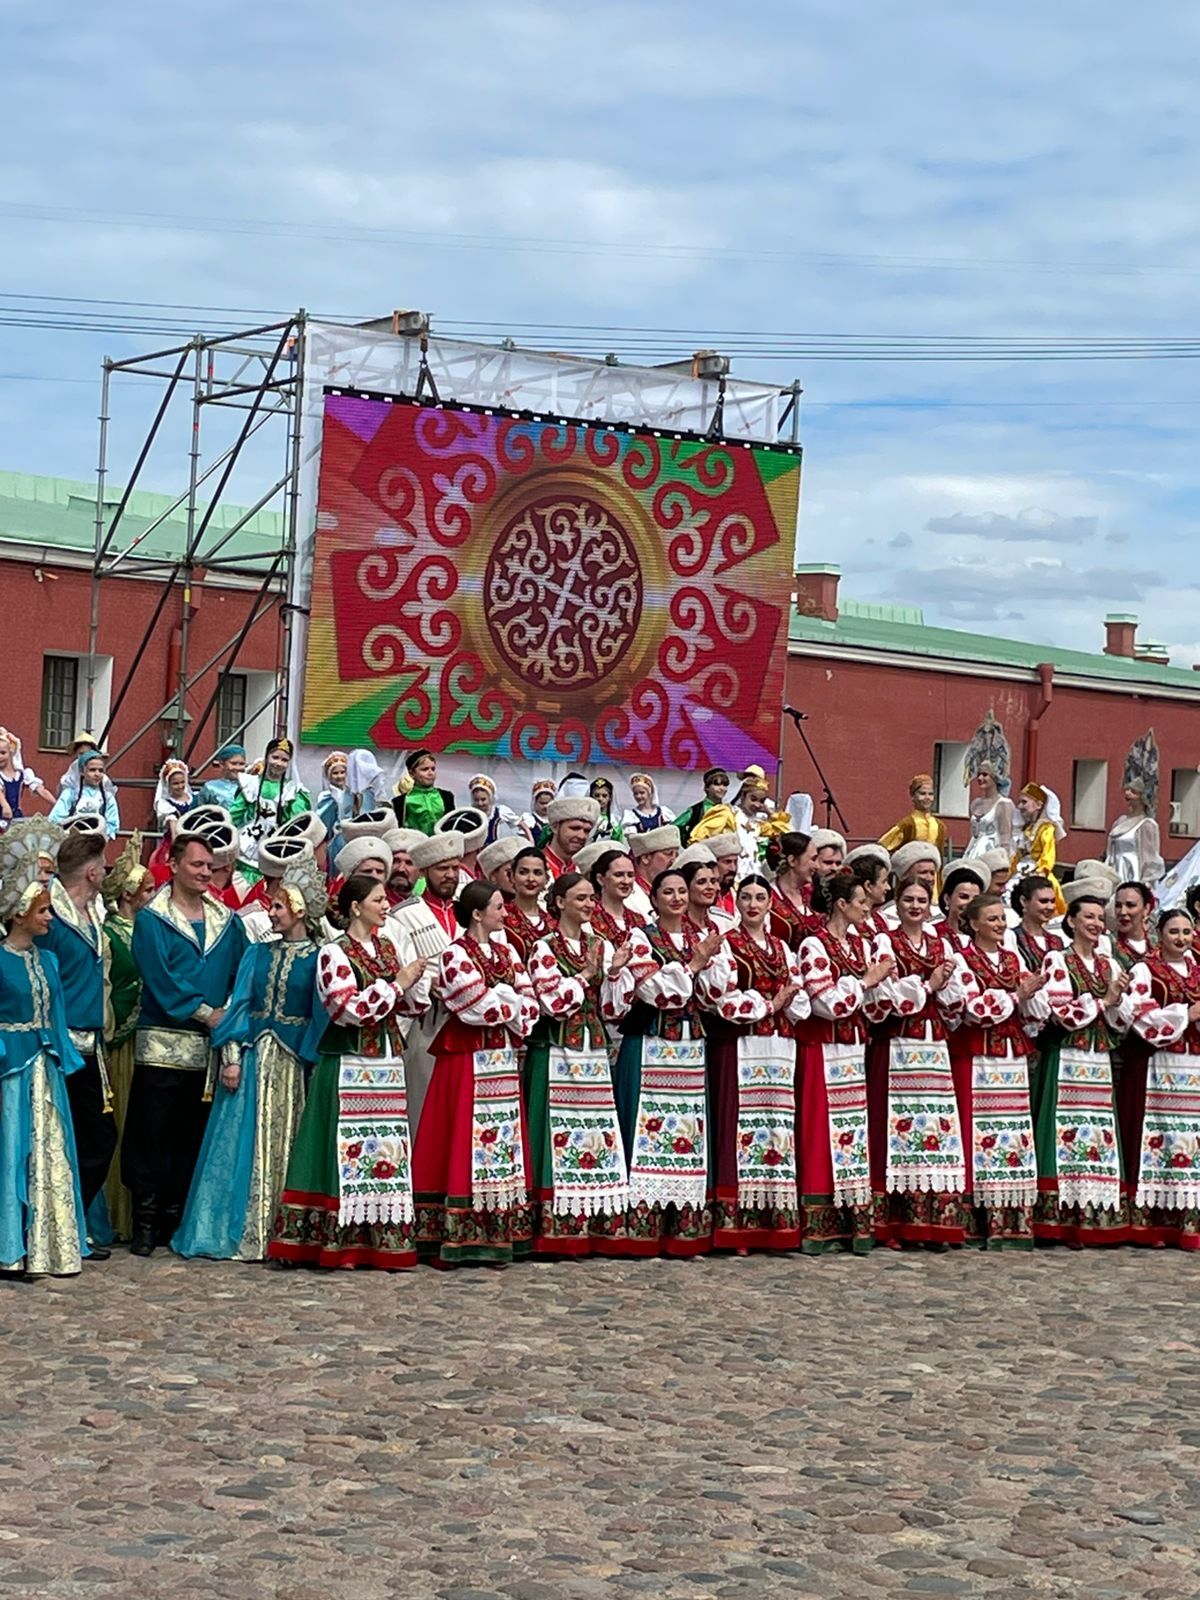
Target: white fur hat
<point>277,853</point>
<point>304,825</point>
<point>1096,871</point>
<point>469,823</point>
<point>406,839</point>
<point>85,822</point>
<point>722,844</point>
<point>201,818</point>
<point>978,870</point>
<point>823,838</point>
<point>499,854</point>
<point>441,847</point>
<point>995,861</point>
<point>909,855</point>
<point>584,860</point>
<point>352,855</point>
<point>701,853</point>
<point>1095,888</point>
<point>223,841</point>
<point>371,825</point>
<point>573,808</point>
<point>867,852</point>
<point>645,844</point>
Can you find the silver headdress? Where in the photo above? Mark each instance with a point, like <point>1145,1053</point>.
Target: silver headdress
<point>303,885</point>
<point>22,845</point>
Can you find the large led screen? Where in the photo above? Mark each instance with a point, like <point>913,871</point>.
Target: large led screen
<point>529,588</point>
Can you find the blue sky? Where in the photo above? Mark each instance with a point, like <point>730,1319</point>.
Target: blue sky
<point>796,166</point>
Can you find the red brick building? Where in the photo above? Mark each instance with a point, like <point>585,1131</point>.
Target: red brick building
<point>47,532</point>
<point>888,696</point>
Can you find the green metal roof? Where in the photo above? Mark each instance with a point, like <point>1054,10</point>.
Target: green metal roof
<point>61,513</point>
<point>859,627</point>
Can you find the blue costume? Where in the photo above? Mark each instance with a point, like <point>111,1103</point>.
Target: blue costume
<point>188,971</point>
<point>243,1161</point>
<point>41,1206</point>
<point>77,942</point>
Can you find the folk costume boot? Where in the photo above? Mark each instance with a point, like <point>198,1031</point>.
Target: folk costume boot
<point>169,1218</point>
<point>145,1210</point>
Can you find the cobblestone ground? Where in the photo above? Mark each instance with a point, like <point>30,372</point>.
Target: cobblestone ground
<point>903,1425</point>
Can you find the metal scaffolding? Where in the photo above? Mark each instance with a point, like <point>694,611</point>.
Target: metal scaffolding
<point>258,373</point>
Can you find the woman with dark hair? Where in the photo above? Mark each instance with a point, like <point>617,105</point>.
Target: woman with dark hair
<point>794,861</point>
<point>1075,1122</point>
<point>990,1055</point>
<point>837,970</point>
<point>659,1079</point>
<point>703,887</point>
<point>1191,902</point>
<point>347,1198</point>
<point>752,1073</point>
<point>613,878</point>
<point>1132,906</point>
<point>419,803</point>
<point>872,867</point>
<point>470,1171</point>
<point>576,1155</point>
<point>963,883</point>
<point>1159,1101</point>
<point>1034,899</point>
<point>608,825</point>
<point>525,920</point>
<point>918,1168</point>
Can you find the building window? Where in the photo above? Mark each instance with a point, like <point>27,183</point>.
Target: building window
<point>1185,801</point>
<point>231,708</point>
<point>60,693</point>
<point>1089,796</point>
<point>953,794</point>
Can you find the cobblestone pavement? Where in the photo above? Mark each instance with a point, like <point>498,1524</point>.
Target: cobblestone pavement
<point>902,1425</point>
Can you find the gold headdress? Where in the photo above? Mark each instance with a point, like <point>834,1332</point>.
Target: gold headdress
<point>23,844</point>
<point>127,874</point>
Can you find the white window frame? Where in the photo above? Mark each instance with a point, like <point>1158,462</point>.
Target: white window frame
<point>1089,795</point>
<point>952,795</point>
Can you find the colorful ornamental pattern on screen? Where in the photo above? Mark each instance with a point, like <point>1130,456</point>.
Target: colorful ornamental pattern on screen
<point>545,590</point>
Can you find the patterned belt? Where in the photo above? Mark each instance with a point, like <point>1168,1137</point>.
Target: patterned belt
<point>172,1047</point>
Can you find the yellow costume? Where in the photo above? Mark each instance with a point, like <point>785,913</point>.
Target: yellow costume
<point>1037,847</point>
<point>918,827</point>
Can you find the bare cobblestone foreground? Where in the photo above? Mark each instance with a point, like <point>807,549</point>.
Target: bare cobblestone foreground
<point>903,1425</point>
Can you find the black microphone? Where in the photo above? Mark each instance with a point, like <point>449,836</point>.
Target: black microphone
<point>800,716</point>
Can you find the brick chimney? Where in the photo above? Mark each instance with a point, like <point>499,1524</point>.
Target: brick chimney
<point>1120,635</point>
<point>817,592</point>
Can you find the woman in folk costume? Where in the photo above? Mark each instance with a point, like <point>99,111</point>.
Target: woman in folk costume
<point>333,802</point>
<point>347,1198</point>
<point>354,787</point>
<point>700,874</point>
<point>42,1227</point>
<point>15,778</point>
<point>990,1057</point>
<point>963,883</point>
<point>125,890</point>
<point>1034,900</point>
<point>608,824</point>
<point>918,1165</point>
<point>716,789</point>
<point>471,1164</point>
<point>1158,1101</point>
<point>794,860</point>
<point>662,1097</point>
<point>1092,1003</point>
<point>613,876</point>
<point>86,791</point>
<point>576,1157</point>
<point>525,919</point>
<point>534,821</point>
<point>837,968</point>
<point>1036,845</point>
<point>920,825</point>
<point>754,999</point>
<point>647,810</point>
<point>267,798</point>
<point>269,1038</point>
<point>1134,845</point>
<point>419,803</point>
<point>173,799</point>
<point>502,820</point>
<point>1132,907</point>
<point>993,815</point>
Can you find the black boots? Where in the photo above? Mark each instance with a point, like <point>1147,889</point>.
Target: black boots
<point>145,1210</point>
<point>168,1221</point>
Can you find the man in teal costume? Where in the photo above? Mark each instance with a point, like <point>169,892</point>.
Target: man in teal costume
<point>187,946</point>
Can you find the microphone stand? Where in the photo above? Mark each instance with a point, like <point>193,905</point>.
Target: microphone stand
<point>828,801</point>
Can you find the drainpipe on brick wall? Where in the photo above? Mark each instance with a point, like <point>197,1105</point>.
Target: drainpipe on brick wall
<point>1045,674</point>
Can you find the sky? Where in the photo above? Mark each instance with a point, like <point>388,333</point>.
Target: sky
<point>795,167</point>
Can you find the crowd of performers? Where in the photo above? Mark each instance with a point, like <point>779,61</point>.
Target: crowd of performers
<point>377,1030</point>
